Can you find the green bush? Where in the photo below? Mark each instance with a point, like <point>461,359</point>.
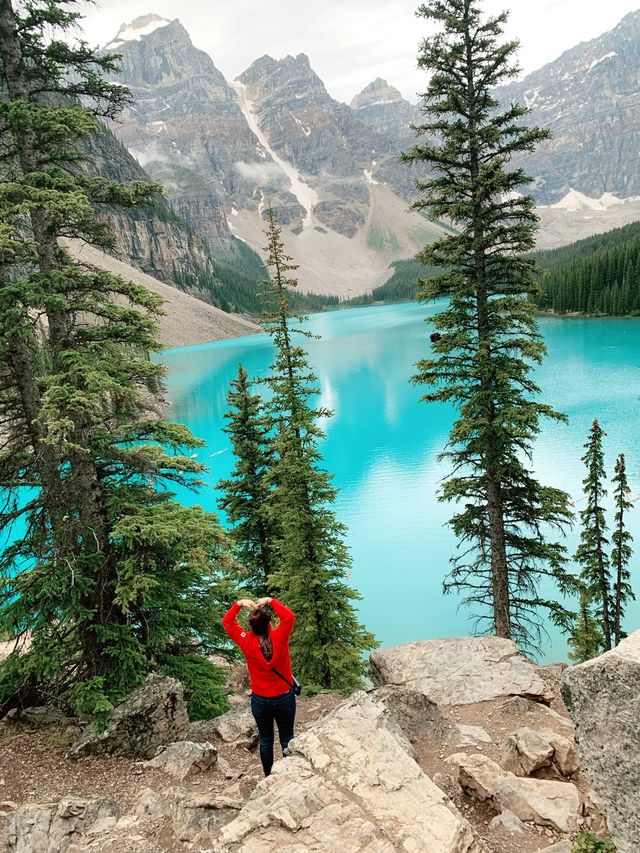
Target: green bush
<point>589,842</point>
<point>202,684</point>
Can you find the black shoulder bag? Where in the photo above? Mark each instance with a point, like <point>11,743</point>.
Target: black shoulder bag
<point>294,685</point>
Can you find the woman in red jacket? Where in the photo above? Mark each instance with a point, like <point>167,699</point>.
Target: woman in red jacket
<point>266,651</point>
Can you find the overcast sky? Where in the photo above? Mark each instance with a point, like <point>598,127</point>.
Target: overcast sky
<point>351,42</point>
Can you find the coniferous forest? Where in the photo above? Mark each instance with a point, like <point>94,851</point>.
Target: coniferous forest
<point>599,275</point>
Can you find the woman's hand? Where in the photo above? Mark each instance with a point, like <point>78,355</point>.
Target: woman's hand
<point>266,600</point>
<point>246,602</point>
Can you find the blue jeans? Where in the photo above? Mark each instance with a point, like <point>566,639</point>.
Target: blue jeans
<point>266,710</point>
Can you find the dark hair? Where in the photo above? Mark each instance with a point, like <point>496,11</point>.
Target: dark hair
<point>259,621</point>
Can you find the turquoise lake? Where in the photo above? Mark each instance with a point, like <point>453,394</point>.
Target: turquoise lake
<point>382,444</point>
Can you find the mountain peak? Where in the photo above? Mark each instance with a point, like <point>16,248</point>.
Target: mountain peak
<point>378,92</point>
<point>138,28</point>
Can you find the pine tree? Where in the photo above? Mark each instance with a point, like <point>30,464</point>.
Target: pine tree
<point>585,633</point>
<point>488,334</point>
<point>247,493</point>
<point>621,553</point>
<point>592,551</point>
<point>311,558</point>
<point>106,574</point>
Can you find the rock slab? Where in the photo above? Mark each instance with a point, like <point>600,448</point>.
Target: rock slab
<point>349,785</point>
<point>154,715</point>
<point>539,801</point>
<point>459,671</point>
<point>603,696</point>
<point>52,827</point>
<point>178,759</point>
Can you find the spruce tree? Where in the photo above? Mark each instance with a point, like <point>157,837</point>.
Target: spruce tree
<point>247,492</point>
<point>310,555</point>
<point>592,551</point>
<point>488,337</point>
<point>585,632</point>
<point>106,574</point>
<point>621,553</point>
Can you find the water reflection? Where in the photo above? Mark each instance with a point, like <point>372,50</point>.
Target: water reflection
<point>382,444</point>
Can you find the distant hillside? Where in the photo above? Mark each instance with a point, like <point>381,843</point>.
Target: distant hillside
<point>400,287</point>
<point>598,275</point>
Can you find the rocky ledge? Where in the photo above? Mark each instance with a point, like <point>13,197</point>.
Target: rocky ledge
<point>462,746</point>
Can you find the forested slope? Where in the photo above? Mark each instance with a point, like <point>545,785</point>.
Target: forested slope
<point>599,275</point>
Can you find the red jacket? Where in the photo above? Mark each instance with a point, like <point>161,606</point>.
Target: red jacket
<point>264,682</point>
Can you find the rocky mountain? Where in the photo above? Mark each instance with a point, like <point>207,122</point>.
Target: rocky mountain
<point>152,238</point>
<point>272,138</point>
<point>186,127</point>
<point>590,99</point>
<point>156,240</point>
<point>383,108</point>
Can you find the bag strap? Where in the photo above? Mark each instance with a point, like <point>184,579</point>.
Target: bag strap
<point>280,675</point>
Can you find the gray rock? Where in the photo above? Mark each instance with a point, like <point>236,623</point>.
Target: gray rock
<point>507,820</point>
<point>603,696</point>
<point>478,775</point>
<point>350,786</point>
<point>528,750</point>
<point>153,715</point>
<point>52,827</point>
<point>560,847</point>
<point>148,804</point>
<point>517,705</point>
<point>180,758</point>
<point>194,815</point>
<point>471,736</point>
<point>236,727</point>
<point>539,801</point>
<point>44,715</point>
<point>414,712</point>
<point>459,671</point>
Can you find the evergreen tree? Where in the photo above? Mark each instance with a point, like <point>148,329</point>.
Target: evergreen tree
<point>311,558</point>
<point>247,492</point>
<point>592,551</point>
<point>621,553</point>
<point>585,633</point>
<point>106,574</point>
<point>488,335</point>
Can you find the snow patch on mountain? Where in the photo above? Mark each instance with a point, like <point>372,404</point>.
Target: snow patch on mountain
<point>305,194</point>
<point>143,26</point>
<point>575,201</point>
<point>602,59</point>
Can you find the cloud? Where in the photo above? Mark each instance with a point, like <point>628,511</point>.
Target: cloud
<point>150,154</point>
<point>261,174</point>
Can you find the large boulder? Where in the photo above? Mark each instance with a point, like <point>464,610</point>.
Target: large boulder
<point>459,671</point>
<point>603,696</point>
<point>52,827</point>
<point>527,751</point>
<point>478,775</point>
<point>349,785</point>
<point>180,758</point>
<point>152,716</point>
<point>197,815</point>
<point>540,801</point>
<point>415,713</point>
<point>235,727</point>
